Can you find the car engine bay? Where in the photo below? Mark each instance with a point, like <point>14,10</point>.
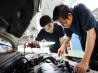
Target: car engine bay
<point>36,63</point>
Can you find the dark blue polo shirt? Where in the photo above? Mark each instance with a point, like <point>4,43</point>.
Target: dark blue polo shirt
<point>83,20</point>
<point>52,37</point>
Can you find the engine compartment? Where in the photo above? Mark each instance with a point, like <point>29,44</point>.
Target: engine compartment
<point>41,63</point>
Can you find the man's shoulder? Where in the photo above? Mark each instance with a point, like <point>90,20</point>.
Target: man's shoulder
<point>80,9</point>
<point>57,25</point>
<point>80,6</point>
<point>41,31</point>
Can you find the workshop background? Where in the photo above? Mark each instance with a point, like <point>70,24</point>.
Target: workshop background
<point>46,8</point>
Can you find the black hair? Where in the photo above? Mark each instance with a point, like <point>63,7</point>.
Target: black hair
<point>64,10</point>
<point>44,20</point>
<point>55,13</point>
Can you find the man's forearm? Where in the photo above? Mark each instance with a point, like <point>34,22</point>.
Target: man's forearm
<point>61,40</point>
<point>67,39</point>
<point>90,42</point>
<point>61,50</point>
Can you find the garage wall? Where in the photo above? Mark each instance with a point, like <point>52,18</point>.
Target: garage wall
<point>46,8</point>
<point>95,13</point>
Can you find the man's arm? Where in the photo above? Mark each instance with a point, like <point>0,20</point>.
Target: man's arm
<point>90,42</point>
<point>61,39</point>
<point>61,50</point>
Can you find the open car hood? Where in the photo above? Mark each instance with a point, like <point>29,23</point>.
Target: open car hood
<point>15,17</point>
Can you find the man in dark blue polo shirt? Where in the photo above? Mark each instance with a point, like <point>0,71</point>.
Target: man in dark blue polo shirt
<point>81,22</point>
<point>51,32</point>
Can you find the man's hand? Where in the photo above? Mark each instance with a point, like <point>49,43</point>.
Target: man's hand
<point>33,44</point>
<point>81,67</point>
<point>61,51</point>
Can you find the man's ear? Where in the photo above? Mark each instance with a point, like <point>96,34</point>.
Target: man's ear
<point>69,15</point>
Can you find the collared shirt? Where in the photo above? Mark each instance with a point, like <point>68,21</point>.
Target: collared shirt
<point>83,20</point>
<point>52,37</point>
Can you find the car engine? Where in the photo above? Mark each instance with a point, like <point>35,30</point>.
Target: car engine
<point>36,63</point>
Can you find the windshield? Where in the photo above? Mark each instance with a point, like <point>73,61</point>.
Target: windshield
<point>5,46</point>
